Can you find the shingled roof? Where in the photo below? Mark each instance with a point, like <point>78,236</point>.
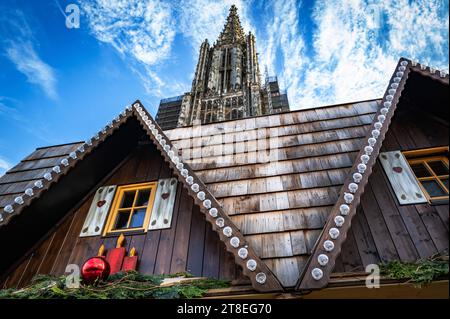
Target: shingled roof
<point>280,206</point>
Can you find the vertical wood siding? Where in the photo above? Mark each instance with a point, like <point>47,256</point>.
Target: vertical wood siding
<point>384,230</point>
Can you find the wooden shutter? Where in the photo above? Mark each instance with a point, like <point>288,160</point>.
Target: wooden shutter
<point>98,211</point>
<point>164,202</point>
<point>402,178</point>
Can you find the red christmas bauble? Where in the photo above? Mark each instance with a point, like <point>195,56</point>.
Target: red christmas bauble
<point>94,269</point>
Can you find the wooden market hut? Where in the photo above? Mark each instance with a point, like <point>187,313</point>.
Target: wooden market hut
<point>292,204</point>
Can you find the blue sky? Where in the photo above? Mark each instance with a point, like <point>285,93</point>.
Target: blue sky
<point>59,85</point>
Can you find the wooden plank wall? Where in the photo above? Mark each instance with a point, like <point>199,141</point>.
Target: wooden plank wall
<point>189,245</point>
<point>383,230</point>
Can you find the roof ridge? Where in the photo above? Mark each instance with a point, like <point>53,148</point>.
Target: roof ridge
<point>282,113</point>
<point>329,244</point>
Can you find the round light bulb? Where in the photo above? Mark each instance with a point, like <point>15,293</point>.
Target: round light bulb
<point>365,158</point>
<point>322,259</point>
<point>38,184</point>
<point>227,231</point>
<point>339,221</point>
<point>207,203</point>
<point>362,168</point>
<point>381,118</point>
<point>344,209</point>
<point>375,133</point>
<point>261,278</point>
<point>8,209</point>
<point>328,245</point>
<point>378,125</point>
<point>220,222</point>
<point>357,177</point>
<point>65,162</point>
<point>353,187</point>
<point>235,242</point>
<point>213,212</point>
<point>201,195</point>
<point>243,253</point>
<point>317,273</point>
<point>334,233</point>
<point>348,198</point>
<point>368,150</point>
<point>251,265</point>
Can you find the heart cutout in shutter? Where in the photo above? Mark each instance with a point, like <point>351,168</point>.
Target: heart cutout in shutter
<point>100,203</point>
<point>397,169</point>
<point>165,195</point>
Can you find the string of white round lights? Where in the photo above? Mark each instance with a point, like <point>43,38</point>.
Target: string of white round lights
<point>65,162</point>
<point>344,209</point>
<point>227,231</point>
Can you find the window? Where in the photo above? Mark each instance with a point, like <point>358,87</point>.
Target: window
<point>131,208</point>
<point>430,166</point>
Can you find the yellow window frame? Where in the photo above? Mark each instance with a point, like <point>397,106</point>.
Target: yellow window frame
<point>424,157</point>
<point>115,207</point>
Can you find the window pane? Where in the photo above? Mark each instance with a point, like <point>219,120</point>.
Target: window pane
<point>122,220</point>
<point>137,220</point>
<point>420,170</point>
<point>127,199</point>
<point>433,188</point>
<point>438,167</point>
<point>143,197</point>
<point>445,182</point>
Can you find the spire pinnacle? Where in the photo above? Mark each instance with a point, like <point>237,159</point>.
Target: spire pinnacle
<point>232,31</point>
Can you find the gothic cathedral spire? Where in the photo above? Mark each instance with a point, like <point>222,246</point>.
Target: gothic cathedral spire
<point>227,82</point>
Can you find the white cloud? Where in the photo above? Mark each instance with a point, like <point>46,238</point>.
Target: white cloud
<point>28,62</point>
<point>4,165</point>
<point>348,55</point>
<point>283,34</point>
<point>205,19</point>
<point>355,46</point>
<point>142,31</point>
<point>20,48</point>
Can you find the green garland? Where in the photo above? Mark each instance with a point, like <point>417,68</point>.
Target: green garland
<point>128,285</point>
<point>419,273</point>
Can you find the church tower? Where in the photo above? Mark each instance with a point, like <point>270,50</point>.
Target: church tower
<point>227,82</point>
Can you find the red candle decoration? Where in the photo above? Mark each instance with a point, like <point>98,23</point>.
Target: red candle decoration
<point>130,262</point>
<point>95,269</point>
<point>116,255</point>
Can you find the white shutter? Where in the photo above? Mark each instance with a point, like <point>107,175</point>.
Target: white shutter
<point>162,211</point>
<point>402,178</point>
<point>98,211</point>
